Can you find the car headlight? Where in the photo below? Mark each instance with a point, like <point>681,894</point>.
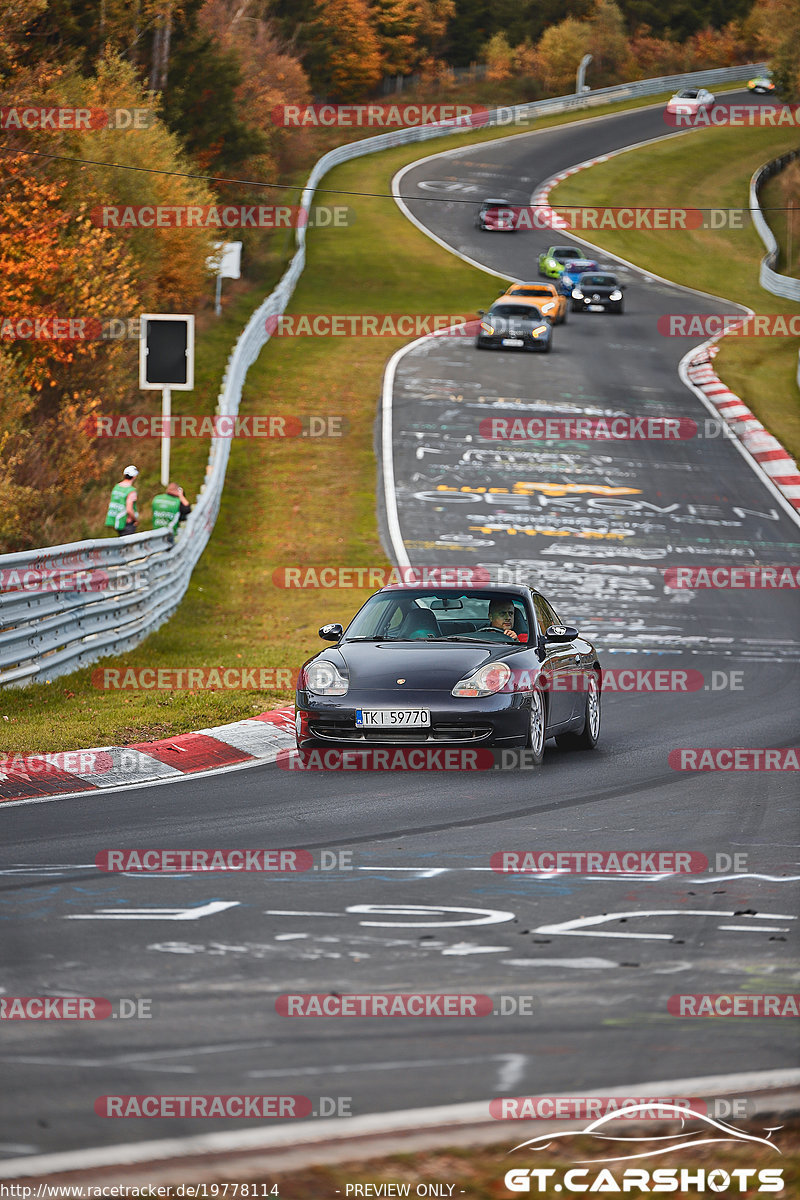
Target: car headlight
<point>567,279</point>
<point>325,679</point>
<point>615,295</point>
<point>577,294</point>
<point>539,330</point>
<point>548,307</point>
<point>486,327</point>
<point>490,678</point>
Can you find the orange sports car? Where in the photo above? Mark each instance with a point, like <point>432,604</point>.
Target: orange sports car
<point>547,296</point>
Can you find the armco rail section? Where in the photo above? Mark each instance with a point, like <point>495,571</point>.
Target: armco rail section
<point>770,279</point>
<point>66,606</point>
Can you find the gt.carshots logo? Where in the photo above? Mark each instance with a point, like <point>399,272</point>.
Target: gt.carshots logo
<point>615,1127</point>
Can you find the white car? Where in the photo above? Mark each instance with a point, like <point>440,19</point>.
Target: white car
<point>691,100</point>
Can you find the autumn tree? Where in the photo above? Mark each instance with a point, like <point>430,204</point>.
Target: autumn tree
<point>341,51</point>
<point>608,44</point>
<point>775,24</point>
<point>561,49</point>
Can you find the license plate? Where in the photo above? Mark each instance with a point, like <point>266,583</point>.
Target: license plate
<point>513,342</point>
<point>596,307</point>
<point>382,717</point>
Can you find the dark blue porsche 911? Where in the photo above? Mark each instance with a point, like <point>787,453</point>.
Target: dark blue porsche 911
<point>485,666</point>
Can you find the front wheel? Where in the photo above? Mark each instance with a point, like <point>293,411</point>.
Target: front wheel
<point>589,736</point>
<point>537,727</point>
<point>576,307</point>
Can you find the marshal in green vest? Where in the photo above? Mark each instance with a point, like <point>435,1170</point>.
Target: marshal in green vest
<point>166,511</point>
<point>117,515</point>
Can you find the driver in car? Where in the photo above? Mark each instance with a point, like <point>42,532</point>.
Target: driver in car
<point>501,618</point>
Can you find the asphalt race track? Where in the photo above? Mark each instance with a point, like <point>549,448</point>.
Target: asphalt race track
<point>418,906</point>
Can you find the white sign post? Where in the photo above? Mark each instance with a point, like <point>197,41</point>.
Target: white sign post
<point>226,263</point>
<point>166,362</point>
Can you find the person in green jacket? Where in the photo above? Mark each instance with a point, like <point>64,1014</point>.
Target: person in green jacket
<point>122,514</point>
<point>170,508</point>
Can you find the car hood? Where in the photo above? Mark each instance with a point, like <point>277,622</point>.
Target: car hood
<point>423,665</point>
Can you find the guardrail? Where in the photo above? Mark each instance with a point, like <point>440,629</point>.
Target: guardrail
<point>67,606</point>
<point>771,280</point>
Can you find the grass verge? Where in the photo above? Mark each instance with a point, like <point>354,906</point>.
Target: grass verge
<point>285,503</point>
<point>479,1172</point>
<point>723,262</point>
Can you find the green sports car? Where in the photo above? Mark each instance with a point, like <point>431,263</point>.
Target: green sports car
<point>554,260</point>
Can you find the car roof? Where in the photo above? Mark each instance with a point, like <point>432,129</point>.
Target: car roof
<point>537,283</point>
<point>516,589</point>
<point>525,301</point>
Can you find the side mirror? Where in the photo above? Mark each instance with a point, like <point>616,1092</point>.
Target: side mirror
<point>331,633</point>
<point>561,633</point>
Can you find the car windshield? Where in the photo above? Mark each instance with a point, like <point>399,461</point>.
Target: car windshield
<point>415,615</point>
<point>526,312</point>
<point>565,252</point>
<point>494,205</point>
<point>530,291</point>
<point>688,94</point>
<point>597,281</point>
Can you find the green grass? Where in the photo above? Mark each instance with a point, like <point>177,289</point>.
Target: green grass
<point>782,212</point>
<point>285,503</point>
<point>706,169</point>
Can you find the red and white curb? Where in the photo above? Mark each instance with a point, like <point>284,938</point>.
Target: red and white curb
<point>765,449</point>
<point>257,739</point>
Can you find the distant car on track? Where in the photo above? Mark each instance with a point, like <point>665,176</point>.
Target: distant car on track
<point>552,302</point>
<point>555,260</point>
<point>762,85</point>
<point>690,101</point>
<point>497,216</point>
<point>598,291</point>
<point>478,666</point>
<point>515,323</point>
<point>574,269</point>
